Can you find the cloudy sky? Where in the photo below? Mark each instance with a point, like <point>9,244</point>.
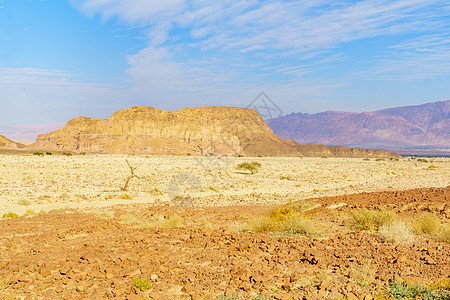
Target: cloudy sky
<point>61,59</point>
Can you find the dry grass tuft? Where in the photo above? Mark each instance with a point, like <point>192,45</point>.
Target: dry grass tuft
<point>443,234</point>
<point>129,219</point>
<point>364,274</point>
<point>398,232</point>
<point>287,220</point>
<point>371,220</point>
<point>297,225</point>
<point>173,221</point>
<point>426,224</point>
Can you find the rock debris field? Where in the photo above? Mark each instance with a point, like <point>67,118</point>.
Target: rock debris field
<point>199,228</point>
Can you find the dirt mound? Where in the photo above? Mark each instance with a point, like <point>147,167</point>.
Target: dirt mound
<point>79,255</point>
<point>207,131</point>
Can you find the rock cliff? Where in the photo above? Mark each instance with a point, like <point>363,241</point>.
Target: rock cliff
<point>207,130</point>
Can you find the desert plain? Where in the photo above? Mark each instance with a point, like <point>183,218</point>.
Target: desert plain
<point>188,227</point>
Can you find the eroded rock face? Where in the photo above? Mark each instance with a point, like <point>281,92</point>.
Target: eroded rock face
<point>6,143</point>
<point>208,130</point>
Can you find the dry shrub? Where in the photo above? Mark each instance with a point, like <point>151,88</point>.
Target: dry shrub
<point>426,223</point>
<point>129,219</point>
<point>103,214</point>
<point>295,225</point>
<point>443,234</point>
<point>29,213</point>
<point>398,232</point>
<point>287,220</point>
<point>173,221</point>
<point>371,220</point>
<point>363,274</point>
<point>260,224</point>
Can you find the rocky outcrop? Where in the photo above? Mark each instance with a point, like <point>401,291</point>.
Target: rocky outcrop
<point>197,131</point>
<point>422,126</point>
<point>6,143</point>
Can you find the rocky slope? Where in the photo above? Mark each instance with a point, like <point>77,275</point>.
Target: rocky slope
<point>197,131</point>
<point>97,255</point>
<point>6,143</point>
<point>422,126</point>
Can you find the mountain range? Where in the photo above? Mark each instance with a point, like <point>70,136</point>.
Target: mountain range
<point>408,128</point>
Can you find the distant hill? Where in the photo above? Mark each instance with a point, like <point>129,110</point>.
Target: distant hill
<point>209,130</point>
<point>418,127</point>
<point>6,143</point>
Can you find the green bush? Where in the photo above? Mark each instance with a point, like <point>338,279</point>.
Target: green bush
<point>252,166</point>
<point>48,153</point>
<point>405,290</point>
<point>38,153</point>
<point>141,284</point>
<point>67,154</point>
<point>9,215</point>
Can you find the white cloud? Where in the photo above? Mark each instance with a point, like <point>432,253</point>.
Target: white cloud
<point>29,95</point>
<point>424,57</point>
<point>226,51</point>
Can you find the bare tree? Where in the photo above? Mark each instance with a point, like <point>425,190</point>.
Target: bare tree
<point>132,175</point>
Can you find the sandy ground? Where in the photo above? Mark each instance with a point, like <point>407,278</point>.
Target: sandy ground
<point>29,182</point>
<point>184,226</point>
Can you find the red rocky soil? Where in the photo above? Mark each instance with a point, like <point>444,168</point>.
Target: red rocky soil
<point>80,256</point>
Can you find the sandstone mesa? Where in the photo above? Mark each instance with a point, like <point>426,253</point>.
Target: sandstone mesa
<point>209,130</point>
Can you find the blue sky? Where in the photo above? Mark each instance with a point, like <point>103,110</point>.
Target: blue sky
<point>61,59</point>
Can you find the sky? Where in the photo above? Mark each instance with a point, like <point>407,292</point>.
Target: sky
<point>61,59</point>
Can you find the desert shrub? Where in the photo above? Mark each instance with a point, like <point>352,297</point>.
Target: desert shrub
<point>24,202</point>
<point>60,211</point>
<point>38,153</point>
<point>82,153</point>
<point>422,160</point>
<point>10,215</point>
<point>125,197</point>
<point>401,290</point>
<point>261,224</point>
<point>371,220</point>
<point>363,274</point>
<point>214,189</point>
<point>295,224</point>
<point>67,154</point>
<point>443,234</point>
<point>29,212</point>
<point>287,220</point>
<point>397,232</point>
<point>426,223</point>
<point>129,219</point>
<point>252,166</point>
<point>173,221</point>
<point>141,284</point>
<point>48,153</point>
